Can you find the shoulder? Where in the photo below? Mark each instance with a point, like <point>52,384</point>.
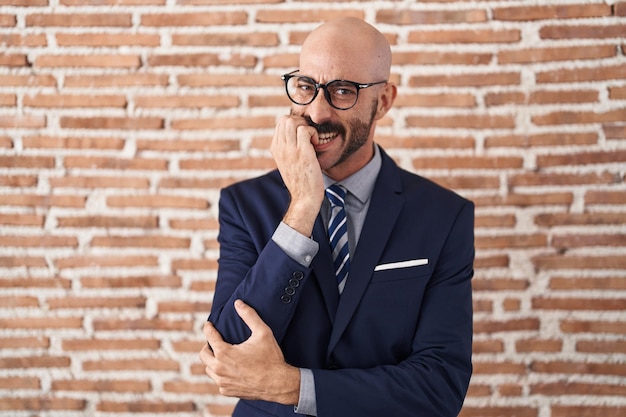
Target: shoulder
<point>419,189</point>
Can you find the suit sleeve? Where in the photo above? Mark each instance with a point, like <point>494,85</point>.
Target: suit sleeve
<point>433,380</point>
<point>253,268</point>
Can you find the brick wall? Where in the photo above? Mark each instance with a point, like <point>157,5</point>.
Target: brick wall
<point>121,119</point>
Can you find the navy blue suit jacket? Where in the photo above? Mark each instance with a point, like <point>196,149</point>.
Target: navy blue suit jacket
<point>398,340</point>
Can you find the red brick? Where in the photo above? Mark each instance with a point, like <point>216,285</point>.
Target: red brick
<point>167,281</point>
<point>591,326</point>
<point>39,80</point>
<point>43,404</point>
<point>144,222</point>
<point>184,307</point>
<point>584,74</point>
<point>465,36</point>
<point>436,100</point>
<point>13,60</point>
<point>114,163</point>
<point>108,39</point>
<point>566,283</point>
<point>297,16</point>
<point>541,178</point>
<point>511,390</point>
<point>587,411</point>
<point>74,100</point>
<point>467,162</point>
<point>144,241</point>
<point>183,387</point>
<point>576,388</point>
<point>42,323</point>
<point>17,383</point>
<point>107,385</point>
<point>570,241</point>
<point>465,80</point>
<point>182,101</point>
<point>488,368</point>
<point>494,411</point>
<point>428,17</point>
<point>44,162</point>
<point>254,122</point>
<point>565,219</point>
<point>441,58</point>
<point>39,241</point>
<point>493,326</point>
<point>193,264</point>
<point>79,19</point>
<point>539,345</point>
<point>142,324</point>
<point>195,183</point>
<point>572,304</point>
<point>601,346</point>
<point>416,142</point>
<point>88,61</point>
<point>116,80</point>
<point>586,368</point>
<point>566,11</point>
<point>206,19</point>
<point>228,163</point>
<point>24,342</point>
<point>100,182</point>
<point>22,181</point>
<point>605,197</point>
<point>571,117</point>
<point>35,283</point>
<point>96,302</point>
<point>499,284</point>
<point>582,31</point>
<point>134,364</point>
<point>549,262</point>
<point>511,241</point>
<point>68,142</point>
<point>556,54</point>
<point>259,39</point>
<point>158,201</point>
<point>146,407</point>
<point>581,158</point>
<point>182,145</point>
<point>31,200</point>
<point>229,80</point>
<point>194,224</point>
<point>105,261</point>
<point>110,344</point>
<point>111,122</point>
<point>25,362</point>
<point>487,346</point>
<point>22,121</point>
<point>201,60</point>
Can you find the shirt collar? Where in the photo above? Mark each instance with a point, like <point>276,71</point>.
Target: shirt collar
<point>361,183</point>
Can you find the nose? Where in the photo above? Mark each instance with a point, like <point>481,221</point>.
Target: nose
<point>319,110</point>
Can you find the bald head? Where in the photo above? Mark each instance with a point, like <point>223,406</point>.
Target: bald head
<point>347,48</point>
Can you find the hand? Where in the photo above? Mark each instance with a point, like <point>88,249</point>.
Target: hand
<point>255,369</point>
<point>293,151</point>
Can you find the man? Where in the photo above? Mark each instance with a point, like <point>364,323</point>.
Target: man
<point>384,329</point>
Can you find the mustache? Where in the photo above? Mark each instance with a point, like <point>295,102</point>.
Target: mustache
<point>325,127</point>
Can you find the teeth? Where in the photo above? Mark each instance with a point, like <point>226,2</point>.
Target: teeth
<point>327,137</point>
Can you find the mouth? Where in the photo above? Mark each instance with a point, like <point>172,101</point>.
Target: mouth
<point>327,137</point>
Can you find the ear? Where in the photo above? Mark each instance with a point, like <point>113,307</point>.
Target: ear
<point>385,100</point>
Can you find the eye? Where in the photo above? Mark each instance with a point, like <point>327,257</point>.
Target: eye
<point>342,89</point>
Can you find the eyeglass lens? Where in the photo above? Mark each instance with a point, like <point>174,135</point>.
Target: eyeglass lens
<point>302,90</point>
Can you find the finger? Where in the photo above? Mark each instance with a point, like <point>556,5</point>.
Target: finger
<point>213,337</point>
<point>306,134</point>
<point>250,317</point>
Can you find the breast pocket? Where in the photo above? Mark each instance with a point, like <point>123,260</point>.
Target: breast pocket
<point>395,271</point>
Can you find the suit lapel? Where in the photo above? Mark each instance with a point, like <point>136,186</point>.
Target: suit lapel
<point>385,206</point>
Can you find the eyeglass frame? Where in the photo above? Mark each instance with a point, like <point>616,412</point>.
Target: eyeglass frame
<point>318,86</point>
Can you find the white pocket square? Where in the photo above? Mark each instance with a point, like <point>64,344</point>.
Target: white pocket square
<point>403,264</point>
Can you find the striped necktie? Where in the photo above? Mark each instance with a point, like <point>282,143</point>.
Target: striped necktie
<point>338,233</point>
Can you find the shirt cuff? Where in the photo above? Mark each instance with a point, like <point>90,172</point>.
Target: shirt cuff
<point>306,402</point>
<point>297,246</point>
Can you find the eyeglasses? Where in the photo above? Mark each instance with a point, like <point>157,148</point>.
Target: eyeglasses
<point>341,94</point>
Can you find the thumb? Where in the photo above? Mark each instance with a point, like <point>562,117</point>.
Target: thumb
<point>250,317</point>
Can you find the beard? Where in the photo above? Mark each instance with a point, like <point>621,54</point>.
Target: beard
<point>359,131</point>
